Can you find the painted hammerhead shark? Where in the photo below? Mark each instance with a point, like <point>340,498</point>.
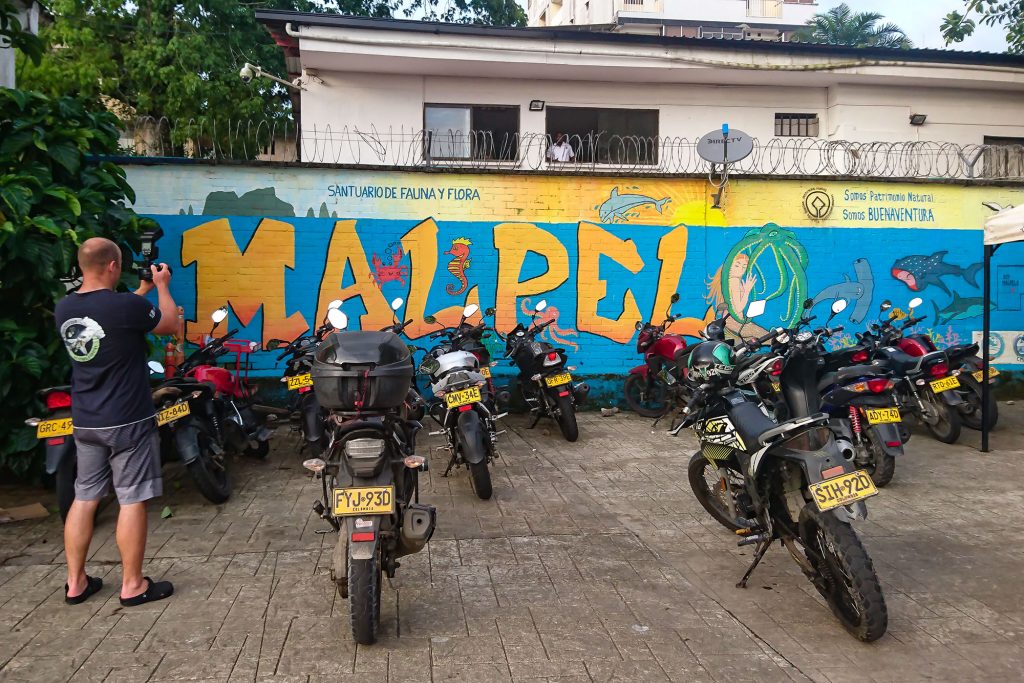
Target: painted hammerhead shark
<point>859,290</point>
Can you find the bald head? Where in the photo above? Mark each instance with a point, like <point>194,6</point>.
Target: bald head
<point>96,254</point>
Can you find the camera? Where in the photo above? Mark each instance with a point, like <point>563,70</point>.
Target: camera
<point>247,73</point>
<point>149,252</point>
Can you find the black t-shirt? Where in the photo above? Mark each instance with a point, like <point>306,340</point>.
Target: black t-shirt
<point>105,335</point>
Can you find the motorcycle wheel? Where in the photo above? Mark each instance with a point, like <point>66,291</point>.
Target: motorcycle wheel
<point>210,476</point>
<point>970,413</point>
<point>883,465</point>
<point>480,473</point>
<point>947,424</point>
<point>704,482</point>
<point>260,452</point>
<point>474,454</point>
<point>567,418</point>
<point>844,576</point>
<point>364,599</point>
<point>655,404</point>
<point>64,482</point>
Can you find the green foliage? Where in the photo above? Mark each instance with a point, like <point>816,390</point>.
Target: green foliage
<point>1007,13</point>
<point>842,26</point>
<point>13,34</point>
<point>51,199</point>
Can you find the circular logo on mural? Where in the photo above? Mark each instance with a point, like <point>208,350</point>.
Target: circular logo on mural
<point>82,337</point>
<point>996,345</point>
<point>818,203</point>
<point>1018,347</point>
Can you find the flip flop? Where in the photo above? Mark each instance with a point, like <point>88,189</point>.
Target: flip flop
<point>92,585</point>
<point>158,590</point>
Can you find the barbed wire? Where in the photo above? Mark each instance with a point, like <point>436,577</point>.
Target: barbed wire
<point>281,140</point>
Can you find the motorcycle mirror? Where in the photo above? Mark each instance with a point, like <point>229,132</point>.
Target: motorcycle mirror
<point>886,305</point>
<point>334,304</point>
<point>915,302</point>
<point>155,367</point>
<point>838,306</point>
<point>273,344</point>
<point>470,310</point>
<point>756,308</point>
<point>489,311</point>
<point>218,316</point>
<point>396,303</point>
<point>429,319</point>
<point>674,298</point>
<point>541,305</point>
<point>808,304</point>
<point>639,326</point>
<point>337,318</point>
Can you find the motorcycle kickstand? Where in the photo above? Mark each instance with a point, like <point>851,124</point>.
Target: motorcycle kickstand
<point>536,419</point>
<point>451,464</point>
<point>762,548</point>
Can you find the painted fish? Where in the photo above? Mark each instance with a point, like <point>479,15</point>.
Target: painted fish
<point>459,264</point>
<point>918,272</point>
<point>859,290</point>
<point>960,308</point>
<point>617,207</point>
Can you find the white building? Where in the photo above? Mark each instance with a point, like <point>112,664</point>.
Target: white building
<point>734,19</point>
<point>28,17</point>
<point>372,86</point>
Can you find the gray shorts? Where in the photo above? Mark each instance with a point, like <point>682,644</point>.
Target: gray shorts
<point>126,457</point>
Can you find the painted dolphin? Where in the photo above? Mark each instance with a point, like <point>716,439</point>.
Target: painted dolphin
<point>918,272</point>
<point>960,308</point>
<point>859,290</point>
<point>617,207</point>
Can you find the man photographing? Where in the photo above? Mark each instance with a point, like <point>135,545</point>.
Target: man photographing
<point>115,428</point>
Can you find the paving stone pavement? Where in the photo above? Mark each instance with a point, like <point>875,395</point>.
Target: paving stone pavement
<point>593,562</point>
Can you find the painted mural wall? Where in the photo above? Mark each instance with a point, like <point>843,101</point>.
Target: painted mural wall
<point>278,244</point>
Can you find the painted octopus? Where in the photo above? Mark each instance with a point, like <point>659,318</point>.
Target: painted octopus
<point>554,333</point>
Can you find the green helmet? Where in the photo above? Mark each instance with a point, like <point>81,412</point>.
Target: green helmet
<point>710,359</point>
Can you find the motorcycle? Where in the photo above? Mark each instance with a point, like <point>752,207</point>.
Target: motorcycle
<point>545,381</point>
<point>467,417</point>
<point>56,430</point>
<point>369,471</point>
<point>650,389</point>
<point>783,481</point>
<point>239,423</point>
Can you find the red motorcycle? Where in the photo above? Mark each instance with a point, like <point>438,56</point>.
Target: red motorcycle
<point>652,388</point>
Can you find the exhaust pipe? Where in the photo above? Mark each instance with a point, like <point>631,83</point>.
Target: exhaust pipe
<point>502,399</point>
<point>581,391</point>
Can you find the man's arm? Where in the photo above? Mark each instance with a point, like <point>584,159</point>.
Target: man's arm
<point>168,309</point>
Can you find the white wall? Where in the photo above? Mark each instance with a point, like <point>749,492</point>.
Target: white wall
<point>28,17</point>
<point>732,11</point>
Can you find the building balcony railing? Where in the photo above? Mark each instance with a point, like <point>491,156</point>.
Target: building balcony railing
<point>648,6</point>
<point>764,9</point>
<point>595,153</point>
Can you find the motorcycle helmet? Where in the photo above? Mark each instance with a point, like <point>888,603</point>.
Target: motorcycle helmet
<point>710,359</point>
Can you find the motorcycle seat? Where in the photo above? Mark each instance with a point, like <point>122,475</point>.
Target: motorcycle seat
<point>850,373</point>
<point>49,390</point>
<point>961,351</point>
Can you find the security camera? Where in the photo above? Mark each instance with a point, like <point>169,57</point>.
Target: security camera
<point>247,73</point>
<point>251,71</point>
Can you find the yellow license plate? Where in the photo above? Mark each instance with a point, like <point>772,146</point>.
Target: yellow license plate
<point>842,490</point>
<point>365,500</point>
<point>59,427</point>
<point>881,416</point>
<point>558,380</point>
<point>992,372</point>
<point>175,412</point>
<point>299,381</point>
<point>485,371</point>
<point>463,397</point>
<point>944,384</point>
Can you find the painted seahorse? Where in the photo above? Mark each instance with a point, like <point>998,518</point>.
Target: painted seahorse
<point>459,264</point>
<point>556,334</point>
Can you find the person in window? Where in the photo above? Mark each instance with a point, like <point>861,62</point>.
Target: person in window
<point>561,150</point>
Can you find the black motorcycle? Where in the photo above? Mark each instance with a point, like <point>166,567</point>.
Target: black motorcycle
<point>545,380</point>
<point>783,481</point>
<point>369,471</point>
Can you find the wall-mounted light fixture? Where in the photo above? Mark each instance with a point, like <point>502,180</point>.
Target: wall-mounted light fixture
<point>918,119</point>
<point>536,105</point>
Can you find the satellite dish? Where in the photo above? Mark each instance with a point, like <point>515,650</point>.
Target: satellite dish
<point>726,146</point>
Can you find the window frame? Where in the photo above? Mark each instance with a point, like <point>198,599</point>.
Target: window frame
<point>798,121</point>
<point>655,137</point>
<point>518,108</point>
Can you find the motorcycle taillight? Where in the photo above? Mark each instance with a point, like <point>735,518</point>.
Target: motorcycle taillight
<point>860,357</point>
<point>877,386</point>
<point>939,370</point>
<point>58,399</point>
<point>552,356</point>
<point>776,368</point>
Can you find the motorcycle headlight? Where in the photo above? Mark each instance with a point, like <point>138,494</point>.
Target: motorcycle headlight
<point>364,456</point>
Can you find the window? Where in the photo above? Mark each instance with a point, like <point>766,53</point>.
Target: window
<point>459,131</point>
<point>607,136</point>
<point>1004,157</point>
<point>796,125</point>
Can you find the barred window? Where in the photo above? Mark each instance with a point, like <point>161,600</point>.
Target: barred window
<point>796,125</point>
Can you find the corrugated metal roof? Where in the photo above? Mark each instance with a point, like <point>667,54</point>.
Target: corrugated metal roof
<point>277,18</point>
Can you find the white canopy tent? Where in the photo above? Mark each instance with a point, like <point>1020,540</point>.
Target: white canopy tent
<point>1007,225</point>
